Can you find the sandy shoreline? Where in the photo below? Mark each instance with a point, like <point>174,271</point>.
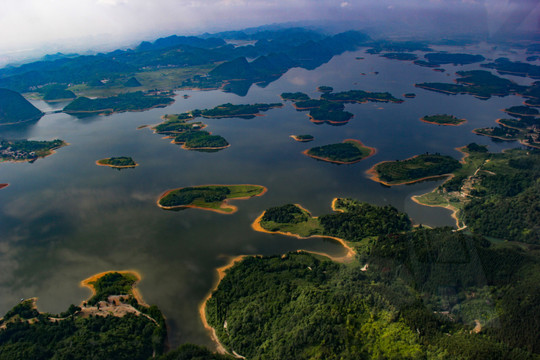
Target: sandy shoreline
<point>372,151</point>
<point>116,166</point>
<point>224,205</point>
<point>294,137</point>
<point>136,294</point>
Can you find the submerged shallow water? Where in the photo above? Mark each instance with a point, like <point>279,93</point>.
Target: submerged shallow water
<point>63,218</point>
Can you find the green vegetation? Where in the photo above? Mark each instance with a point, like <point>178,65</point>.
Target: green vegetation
<point>325,89</point>
<point>200,139</point>
<point>56,92</point>
<point>229,110</point>
<point>505,66</point>
<point>443,119</point>
<point>524,129</point>
<point>500,132</point>
<point>14,108</point>
<point>209,197</point>
<point>437,59</point>
<point>400,56</point>
<point>136,101</point>
<point>296,96</point>
<point>360,96</point>
<point>118,162</point>
<point>303,138</point>
<point>479,83</point>
<point>522,111</point>
<point>331,113</point>
<point>27,150</point>
<point>414,169</point>
<point>352,221</point>
<point>176,124</point>
<point>132,82</point>
<point>347,152</point>
<point>79,333</point>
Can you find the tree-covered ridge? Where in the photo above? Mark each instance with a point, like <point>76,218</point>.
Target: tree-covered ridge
<point>421,296</point>
<point>521,110</point>
<point>136,101</point>
<point>352,221</point>
<point>27,150</point>
<point>209,197</point>
<point>118,162</point>
<point>347,152</point>
<point>494,194</point>
<point>14,108</point>
<point>414,169</point>
<point>505,66</point>
<point>229,110</point>
<point>480,83</point>
<point>360,96</point>
<point>443,119</point>
<point>296,96</point>
<point>200,140</point>
<point>111,325</point>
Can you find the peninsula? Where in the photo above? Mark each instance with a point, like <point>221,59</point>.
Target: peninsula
<point>135,101</point>
<point>209,197</point>
<point>348,152</point>
<point>417,168</point>
<point>443,119</point>
<point>121,162</point>
<point>28,150</point>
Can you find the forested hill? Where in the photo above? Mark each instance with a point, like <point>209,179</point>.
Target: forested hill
<point>14,108</point>
<point>299,47</point>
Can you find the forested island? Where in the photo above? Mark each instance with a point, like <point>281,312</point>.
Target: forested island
<point>417,168</point>
<point>246,111</point>
<point>443,119</point>
<point>15,109</point>
<point>28,150</point>
<point>441,58</point>
<point>505,66</point>
<point>209,197</point>
<point>136,101</point>
<point>120,162</point>
<point>297,96</point>
<point>348,152</point>
<point>360,96</point>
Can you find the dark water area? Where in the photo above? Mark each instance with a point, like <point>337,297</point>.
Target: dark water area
<point>63,218</point>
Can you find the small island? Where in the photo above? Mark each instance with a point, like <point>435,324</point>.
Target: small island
<point>415,169</point>
<point>121,162</point>
<point>209,197</point>
<point>520,111</point>
<point>134,101</point>
<point>400,56</point>
<point>349,151</point>
<point>28,150</point>
<point>409,95</point>
<point>246,111</point>
<point>360,96</point>
<point>303,138</point>
<point>296,96</point>
<point>325,89</point>
<point>443,119</point>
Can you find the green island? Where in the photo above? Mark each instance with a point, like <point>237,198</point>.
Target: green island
<point>479,83</point>
<point>409,95</point>
<point>115,323</point>
<point>135,101</point>
<point>493,194</point>
<point>27,150</point>
<point>506,67</point>
<point>296,96</point>
<point>325,89</point>
<point>348,152</point>
<point>360,96</point>
<point>443,119</point>
<point>303,138</point>
<point>352,221</point>
<point>229,110</point>
<point>329,112</point>
<point>400,56</point>
<point>437,59</point>
<point>120,162</point>
<point>522,111</point>
<point>417,168</point>
<point>209,197</point>
<point>15,109</point>
<point>524,129</point>
<point>189,134</point>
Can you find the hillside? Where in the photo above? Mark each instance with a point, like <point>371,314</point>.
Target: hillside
<point>14,108</point>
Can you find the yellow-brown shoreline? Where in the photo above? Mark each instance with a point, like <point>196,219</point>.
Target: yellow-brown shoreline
<point>115,166</point>
<point>224,204</point>
<point>136,294</point>
<point>463,121</point>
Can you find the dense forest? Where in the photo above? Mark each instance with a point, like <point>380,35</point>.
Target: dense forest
<point>135,101</point>
<point>27,150</point>
<point>14,108</point>
<point>120,161</point>
<point>348,151</point>
<point>415,168</point>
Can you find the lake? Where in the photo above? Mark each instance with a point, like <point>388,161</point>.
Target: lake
<point>63,218</point>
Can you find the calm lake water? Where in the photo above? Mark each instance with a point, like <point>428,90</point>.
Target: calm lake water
<point>63,218</point>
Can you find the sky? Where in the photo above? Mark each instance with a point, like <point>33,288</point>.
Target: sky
<point>63,25</point>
